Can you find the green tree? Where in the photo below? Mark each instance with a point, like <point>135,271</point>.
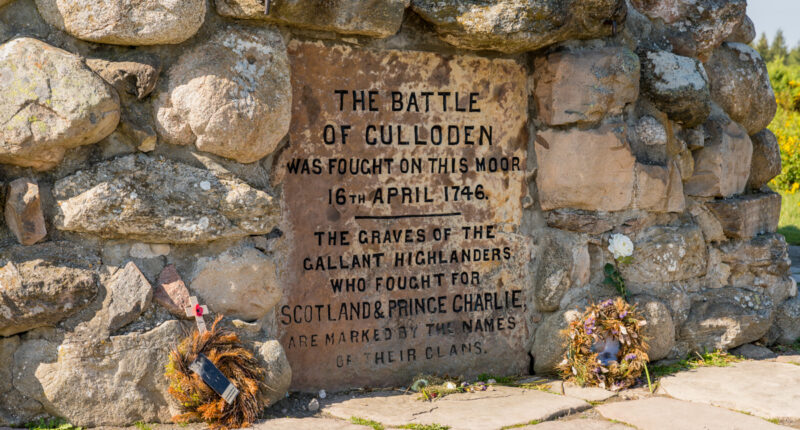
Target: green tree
<point>777,49</point>
<point>794,56</point>
<point>763,47</point>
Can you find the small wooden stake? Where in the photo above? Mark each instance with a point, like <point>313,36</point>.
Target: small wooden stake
<point>197,311</point>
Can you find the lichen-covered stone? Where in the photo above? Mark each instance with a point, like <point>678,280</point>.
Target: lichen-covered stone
<point>49,102</point>
<point>562,262</point>
<point>136,78</point>
<point>726,318</point>
<point>547,354</point>
<point>16,409</point>
<point>666,254</point>
<point>585,169</point>
<point>677,85</point>
<point>787,321</point>
<point>278,376</point>
<point>101,382</point>
<point>708,222</point>
<point>740,85</point>
<point>23,211</point>
<point>230,96</point>
<point>515,25</point>
<point>744,33</point>
<point>760,264</point>
<point>377,18</point>
<point>585,86</point>
<point>161,201</point>
<point>743,217</point>
<point>128,295</point>
<point>43,284</point>
<point>695,27</point>
<point>660,329</point>
<point>766,163</point>
<point>240,283</point>
<point>722,166</point>
<point>121,22</point>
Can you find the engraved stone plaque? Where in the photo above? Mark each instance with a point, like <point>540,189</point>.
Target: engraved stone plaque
<point>403,184</point>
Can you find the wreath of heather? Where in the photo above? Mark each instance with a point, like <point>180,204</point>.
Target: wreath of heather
<point>198,400</point>
<point>608,320</point>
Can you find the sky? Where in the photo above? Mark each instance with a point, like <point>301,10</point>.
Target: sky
<point>770,15</point>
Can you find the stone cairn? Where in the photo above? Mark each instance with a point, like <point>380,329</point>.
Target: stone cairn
<point>138,142</point>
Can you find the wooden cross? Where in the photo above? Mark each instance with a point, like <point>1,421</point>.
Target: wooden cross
<point>197,311</point>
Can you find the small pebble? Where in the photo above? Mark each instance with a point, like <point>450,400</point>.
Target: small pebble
<point>205,185</point>
<point>322,394</point>
<point>313,405</point>
<point>491,381</point>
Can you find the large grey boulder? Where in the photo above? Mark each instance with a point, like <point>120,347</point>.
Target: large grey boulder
<point>16,409</point>
<point>740,85</point>
<point>677,85</point>
<point>49,102</point>
<point>515,25</point>
<point>660,329</point>
<point>760,264</point>
<point>695,27</point>
<point>100,382</point>
<point>161,201</point>
<point>787,321</point>
<point>726,318</point>
<point>377,18</point>
<point>230,96</point>
<point>279,373</point>
<point>766,163</point>
<point>666,254</point>
<point>239,283</point>
<point>561,262</point>
<point>549,343</point>
<point>44,284</point>
<point>129,294</point>
<point>121,22</point>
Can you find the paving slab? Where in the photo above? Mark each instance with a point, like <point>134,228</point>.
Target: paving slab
<point>590,394</point>
<point>663,413</point>
<point>763,388</point>
<point>790,359</point>
<point>577,424</point>
<point>306,424</point>
<point>492,409</point>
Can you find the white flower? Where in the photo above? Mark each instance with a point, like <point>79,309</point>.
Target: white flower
<point>620,246</point>
<point>450,386</point>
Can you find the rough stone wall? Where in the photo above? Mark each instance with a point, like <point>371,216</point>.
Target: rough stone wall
<point>148,133</point>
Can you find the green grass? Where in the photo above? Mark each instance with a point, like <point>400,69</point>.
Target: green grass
<point>708,359</point>
<point>142,426</point>
<point>530,423</point>
<point>502,380</point>
<point>789,224</point>
<point>365,422</point>
<point>51,424</point>
<point>425,427</point>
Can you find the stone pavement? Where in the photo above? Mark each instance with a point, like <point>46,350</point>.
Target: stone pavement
<point>749,395</point>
